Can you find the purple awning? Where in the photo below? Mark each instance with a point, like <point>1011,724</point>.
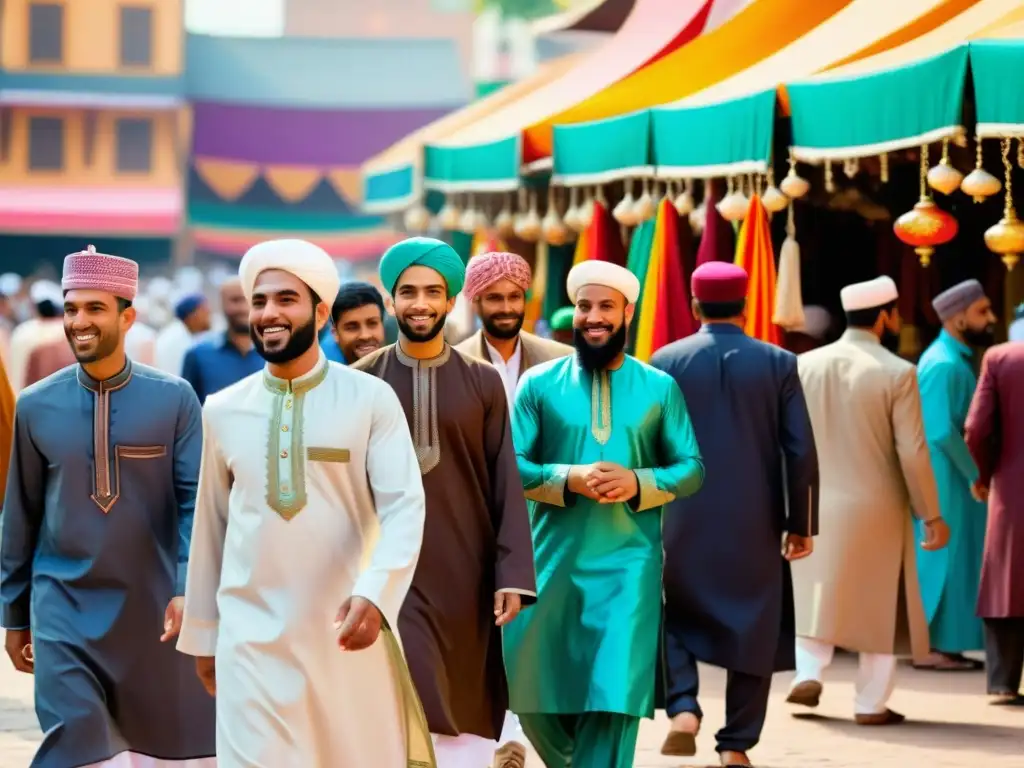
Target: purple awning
<point>302,136</point>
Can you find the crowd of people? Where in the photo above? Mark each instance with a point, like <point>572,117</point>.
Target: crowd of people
<point>269,538</point>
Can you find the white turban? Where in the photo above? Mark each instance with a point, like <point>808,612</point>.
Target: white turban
<point>46,290</point>
<point>594,272</point>
<point>310,263</point>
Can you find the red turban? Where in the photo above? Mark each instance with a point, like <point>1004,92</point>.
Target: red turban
<point>719,282</point>
<point>489,268</point>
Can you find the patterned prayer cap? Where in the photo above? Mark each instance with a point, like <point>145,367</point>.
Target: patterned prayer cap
<point>88,270</point>
<point>488,268</point>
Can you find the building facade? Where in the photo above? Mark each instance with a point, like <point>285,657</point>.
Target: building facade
<point>94,128</point>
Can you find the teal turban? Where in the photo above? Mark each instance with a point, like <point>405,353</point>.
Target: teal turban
<point>423,252</point>
<point>562,319</point>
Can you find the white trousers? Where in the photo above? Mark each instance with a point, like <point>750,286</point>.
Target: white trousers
<point>465,751</point>
<point>132,760</point>
<point>876,673</point>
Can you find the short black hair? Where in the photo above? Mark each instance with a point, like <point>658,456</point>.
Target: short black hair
<point>122,305</point>
<point>354,295</point>
<point>47,309</point>
<point>721,310</point>
<point>866,318</point>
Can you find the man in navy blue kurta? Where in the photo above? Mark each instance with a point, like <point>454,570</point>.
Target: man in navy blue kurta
<point>728,589</point>
<point>97,522</point>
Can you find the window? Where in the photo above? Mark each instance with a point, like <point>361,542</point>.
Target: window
<point>136,37</point>
<point>45,144</point>
<point>46,33</point>
<point>134,145</point>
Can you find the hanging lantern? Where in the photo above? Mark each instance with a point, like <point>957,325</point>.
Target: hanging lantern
<point>772,198</point>
<point>470,219</point>
<point>505,222</point>
<point>794,186</point>
<point>1007,237</point>
<point>684,200</point>
<point>625,211</point>
<point>572,215</point>
<point>979,183</point>
<point>448,217</point>
<point>587,209</point>
<point>528,225</point>
<point>552,227</point>
<point>644,209</point>
<point>944,177</point>
<point>733,206</point>
<point>926,225</point>
<point>417,219</point>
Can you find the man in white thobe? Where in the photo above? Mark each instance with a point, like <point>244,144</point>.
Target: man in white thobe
<point>309,522</point>
<point>47,326</point>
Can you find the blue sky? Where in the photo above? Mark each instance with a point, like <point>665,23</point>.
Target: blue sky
<point>235,17</point>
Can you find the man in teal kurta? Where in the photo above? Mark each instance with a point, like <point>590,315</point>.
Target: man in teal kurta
<point>949,577</point>
<point>603,441</point>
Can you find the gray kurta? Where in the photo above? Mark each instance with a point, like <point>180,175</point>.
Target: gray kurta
<point>96,526</point>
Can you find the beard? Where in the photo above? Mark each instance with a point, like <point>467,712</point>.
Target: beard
<point>301,339</point>
<point>498,332</point>
<point>891,341</point>
<point>984,337</point>
<point>239,327</point>
<point>597,358</point>
<point>420,337</point>
<point>106,345</point>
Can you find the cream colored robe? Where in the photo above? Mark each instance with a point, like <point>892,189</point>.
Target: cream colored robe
<point>309,492</point>
<point>33,333</point>
<point>859,589</point>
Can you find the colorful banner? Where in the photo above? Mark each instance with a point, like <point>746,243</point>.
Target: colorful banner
<point>755,253</point>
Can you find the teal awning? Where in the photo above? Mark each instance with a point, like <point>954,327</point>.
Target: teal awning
<point>709,140</point>
<point>491,167</point>
<point>996,67</point>
<point>390,190</point>
<point>602,151</point>
<point>859,116</point>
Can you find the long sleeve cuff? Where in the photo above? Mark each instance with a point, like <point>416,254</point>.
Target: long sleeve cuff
<point>198,638</point>
<point>180,580</point>
<point>649,495</point>
<point>553,485</point>
<point>17,615</point>
<point>382,589</point>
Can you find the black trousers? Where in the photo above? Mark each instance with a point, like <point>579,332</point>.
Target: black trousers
<point>1004,654</point>
<point>746,698</point>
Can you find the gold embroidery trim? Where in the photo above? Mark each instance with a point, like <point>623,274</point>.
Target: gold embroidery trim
<point>418,742</point>
<point>651,495</point>
<point>552,490</point>
<point>601,407</point>
<point>106,489</point>
<point>337,455</point>
<point>426,436</point>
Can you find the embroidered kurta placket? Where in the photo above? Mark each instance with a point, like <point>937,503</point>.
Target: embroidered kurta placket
<point>286,467</point>
<point>106,480</point>
<point>425,434</point>
<point>601,406</point>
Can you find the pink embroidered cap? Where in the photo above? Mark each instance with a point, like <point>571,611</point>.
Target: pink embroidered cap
<point>489,268</point>
<point>93,271</point>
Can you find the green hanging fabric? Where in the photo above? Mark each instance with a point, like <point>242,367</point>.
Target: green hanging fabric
<point>639,257</point>
<point>559,263</point>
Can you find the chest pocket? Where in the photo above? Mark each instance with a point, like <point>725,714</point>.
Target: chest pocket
<point>328,455</point>
<point>141,451</point>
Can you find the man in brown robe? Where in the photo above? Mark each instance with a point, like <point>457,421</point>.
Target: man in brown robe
<point>476,564</point>
<point>48,358</point>
<point>860,591</point>
<point>995,438</point>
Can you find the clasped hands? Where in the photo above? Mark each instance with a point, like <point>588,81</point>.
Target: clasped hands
<point>603,482</point>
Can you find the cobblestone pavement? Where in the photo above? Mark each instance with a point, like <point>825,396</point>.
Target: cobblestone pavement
<point>950,725</point>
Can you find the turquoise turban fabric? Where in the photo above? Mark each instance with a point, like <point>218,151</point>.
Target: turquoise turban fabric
<point>423,252</point>
<point>562,319</point>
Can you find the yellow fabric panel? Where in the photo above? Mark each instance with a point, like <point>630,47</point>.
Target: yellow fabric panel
<point>755,32</point>
<point>292,183</point>
<point>230,179</point>
<point>652,281</point>
<point>409,150</point>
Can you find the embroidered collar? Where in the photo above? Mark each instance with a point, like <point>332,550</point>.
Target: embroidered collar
<point>107,385</point>
<point>431,362</point>
<point>303,383</point>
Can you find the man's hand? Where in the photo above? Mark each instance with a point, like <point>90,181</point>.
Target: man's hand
<point>797,547</point>
<point>612,482</point>
<point>577,482</point>
<point>358,623</point>
<point>979,492</point>
<point>936,534</point>
<point>18,644</point>
<point>172,619</point>
<point>506,607</point>
<point>206,668</point>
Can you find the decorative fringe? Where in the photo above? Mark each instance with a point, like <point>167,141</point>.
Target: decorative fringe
<point>789,305</point>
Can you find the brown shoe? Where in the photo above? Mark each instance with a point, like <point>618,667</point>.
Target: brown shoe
<point>882,718</point>
<point>682,739</point>
<point>733,759</point>
<point>806,694</point>
<point>510,755</point>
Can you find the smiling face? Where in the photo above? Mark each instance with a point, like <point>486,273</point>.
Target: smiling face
<point>95,324</point>
<point>599,325</point>
<point>359,331</point>
<point>283,321</point>
<point>421,303</point>
<point>501,307</point>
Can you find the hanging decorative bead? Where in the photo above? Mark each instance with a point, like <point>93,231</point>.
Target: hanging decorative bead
<point>773,199</point>
<point>794,186</point>
<point>528,226</point>
<point>684,200</point>
<point>1020,152</point>
<point>644,208</point>
<point>926,225</point>
<point>851,167</point>
<point>554,230</point>
<point>625,210</point>
<point>1007,237</point>
<point>944,177</point>
<point>830,182</point>
<point>883,167</point>
<point>505,222</point>
<point>572,215</point>
<point>587,209</point>
<point>417,218</point>
<point>979,183</point>
<point>733,206</point>
<point>469,219</point>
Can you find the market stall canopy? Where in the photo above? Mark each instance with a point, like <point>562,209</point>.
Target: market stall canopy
<point>487,155</point>
<point>392,179</point>
<point>904,97</point>
<point>997,61</point>
<point>730,125</point>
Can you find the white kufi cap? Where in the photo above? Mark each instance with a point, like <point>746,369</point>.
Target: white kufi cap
<point>594,272</point>
<point>46,290</point>
<point>868,295</point>
<point>310,263</point>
